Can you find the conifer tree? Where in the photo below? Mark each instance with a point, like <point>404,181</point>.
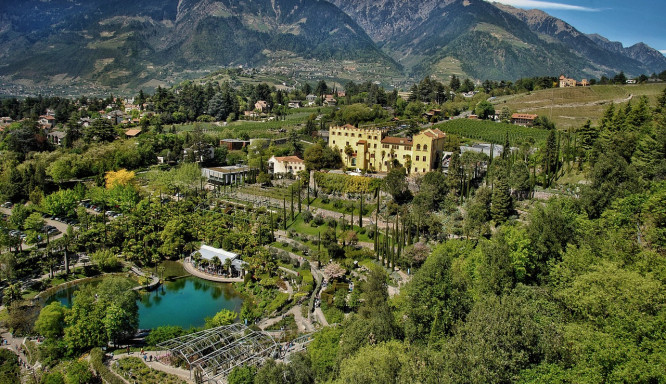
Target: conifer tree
<point>501,202</point>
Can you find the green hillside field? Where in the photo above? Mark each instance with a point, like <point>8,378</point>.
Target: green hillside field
<point>572,107</point>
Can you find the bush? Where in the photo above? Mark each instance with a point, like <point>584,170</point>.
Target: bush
<point>332,223</point>
<point>96,359</point>
<point>164,333</point>
<point>307,216</point>
<point>325,199</point>
<point>9,368</point>
<point>143,373</point>
<point>318,220</point>
<point>337,204</point>
<point>371,230</point>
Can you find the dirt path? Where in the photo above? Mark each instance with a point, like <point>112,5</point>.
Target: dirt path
<point>304,325</point>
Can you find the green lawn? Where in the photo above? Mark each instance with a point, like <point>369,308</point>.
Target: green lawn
<point>300,227</point>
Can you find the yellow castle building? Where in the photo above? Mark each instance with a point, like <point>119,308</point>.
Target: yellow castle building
<point>373,150</point>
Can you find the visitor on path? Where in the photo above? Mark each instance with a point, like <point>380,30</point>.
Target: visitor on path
<point>128,349</point>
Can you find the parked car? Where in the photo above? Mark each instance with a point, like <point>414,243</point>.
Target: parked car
<point>7,204</point>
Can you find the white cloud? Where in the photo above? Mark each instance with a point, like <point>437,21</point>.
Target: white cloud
<point>545,5</point>
<point>663,51</point>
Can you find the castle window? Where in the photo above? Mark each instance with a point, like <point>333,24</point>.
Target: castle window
<point>425,147</point>
<point>424,158</point>
<point>352,135</point>
<point>418,147</point>
<point>417,158</point>
<point>375,145</point>
<point>333,141</point>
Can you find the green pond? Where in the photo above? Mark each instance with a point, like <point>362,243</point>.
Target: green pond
<point>185,301</point>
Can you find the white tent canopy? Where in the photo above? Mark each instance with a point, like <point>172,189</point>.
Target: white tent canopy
<point>208,253</point>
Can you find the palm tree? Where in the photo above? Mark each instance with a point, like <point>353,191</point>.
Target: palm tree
<point>216,262</point>
<point>227,265</point>
<point>196,258</point>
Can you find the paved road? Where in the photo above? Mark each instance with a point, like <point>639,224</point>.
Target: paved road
<point>62,227</point>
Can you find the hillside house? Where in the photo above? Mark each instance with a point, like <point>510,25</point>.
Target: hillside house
<point>261,106</point>
<point>130,133</point>
<point>46,121</point>
<point>566,82</point>
<point>56,137</point>
<point>285,165</point>
<point>233,144</point>
<point>524,119</point>
<point>311,99</point>
<point>294,104</point>
<point>329,101</point>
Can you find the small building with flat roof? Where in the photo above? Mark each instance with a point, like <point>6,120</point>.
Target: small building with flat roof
<point>230,174</point>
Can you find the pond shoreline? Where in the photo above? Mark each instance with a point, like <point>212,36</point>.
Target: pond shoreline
<point>189,268</point>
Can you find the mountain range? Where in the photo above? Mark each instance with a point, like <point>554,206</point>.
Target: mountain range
<point>139,43</point>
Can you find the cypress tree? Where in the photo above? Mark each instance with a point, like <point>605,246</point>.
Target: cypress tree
<point>284,213</point>
<point>501,202</point>
<point>292,202</point>
<point>360,214</point>
<point>550,157</point>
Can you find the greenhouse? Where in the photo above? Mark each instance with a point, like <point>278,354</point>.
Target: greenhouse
<point>211,354</point>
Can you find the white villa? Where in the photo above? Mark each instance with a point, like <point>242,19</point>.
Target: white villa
<point>285,165</point>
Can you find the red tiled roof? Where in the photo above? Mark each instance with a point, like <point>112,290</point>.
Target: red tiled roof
<point>439,133</point>
<point>396,140</point>
<point>524,116</point>
<point>348,126</point>
<point>132,132</point>
<point>289,159</point>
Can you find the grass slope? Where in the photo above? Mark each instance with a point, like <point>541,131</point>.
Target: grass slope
<point>572,107</point>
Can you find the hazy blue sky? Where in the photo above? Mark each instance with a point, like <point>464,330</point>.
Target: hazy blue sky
<point>626,21</point>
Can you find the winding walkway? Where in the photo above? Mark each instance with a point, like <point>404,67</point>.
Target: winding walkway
<point>155,364</point>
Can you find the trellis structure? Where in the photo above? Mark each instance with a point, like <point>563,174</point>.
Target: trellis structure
<point>213,353</point>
